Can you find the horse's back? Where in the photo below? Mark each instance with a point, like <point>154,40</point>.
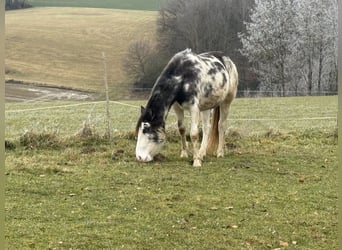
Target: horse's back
<point>205,80</point>
<point>220,81</point>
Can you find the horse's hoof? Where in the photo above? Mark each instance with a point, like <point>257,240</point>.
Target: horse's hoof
<point>197,163</point>
<point>220,154</point>
<point>184,154</point>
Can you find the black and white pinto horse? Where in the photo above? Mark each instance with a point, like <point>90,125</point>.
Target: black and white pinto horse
<point>197,83</point>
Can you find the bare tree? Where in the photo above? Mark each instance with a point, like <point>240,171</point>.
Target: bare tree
<point>204,25</point>
<point>137,57</point>
<point>142,63</point>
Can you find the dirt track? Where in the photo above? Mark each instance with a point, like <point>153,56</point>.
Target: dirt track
<point>20,92</point>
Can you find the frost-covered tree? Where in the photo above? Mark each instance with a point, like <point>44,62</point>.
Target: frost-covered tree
<point>268,41</point>
<point>291,45</point>
<point>317,43</point>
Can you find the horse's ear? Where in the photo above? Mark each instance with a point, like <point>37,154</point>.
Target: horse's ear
<point>142,109</point>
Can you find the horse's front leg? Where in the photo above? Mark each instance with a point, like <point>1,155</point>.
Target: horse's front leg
<point>181,128</point>
<point>206,130</point>
<point>195,113</point>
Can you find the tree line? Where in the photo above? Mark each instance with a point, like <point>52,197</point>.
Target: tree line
<point>16,4</point>
<point>287,46</point>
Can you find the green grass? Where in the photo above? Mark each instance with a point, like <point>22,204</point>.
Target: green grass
<point>264,192</point>
<point>112,4</point>
<point>276,186</point>
<point>248,116</point>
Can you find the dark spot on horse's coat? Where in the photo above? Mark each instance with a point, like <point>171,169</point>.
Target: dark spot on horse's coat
<point>207,61</point>
<point>217,54</point>
<point>190,76</point>
<point>212,71</point>
<point>170,70</point>
<point>155,137</point>
<point>208,89</point>
<point>187,96</point>
<point>185,69</point>
<point>219,66</point>
<point>187,63</point>
<point>224,80</point>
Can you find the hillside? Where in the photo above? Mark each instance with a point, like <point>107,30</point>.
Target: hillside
<point>63,46</point>
<point>111,4</point>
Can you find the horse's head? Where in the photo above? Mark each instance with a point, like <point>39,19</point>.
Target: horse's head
<point>150,131</point>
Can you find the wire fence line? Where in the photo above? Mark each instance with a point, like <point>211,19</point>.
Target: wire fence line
<point>249,115</point>
<point>51,107</point>
<point>144,92</point>
<point>254,93</point>
<point>137,107</point>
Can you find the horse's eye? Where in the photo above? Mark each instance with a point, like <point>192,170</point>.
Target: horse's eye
<point>146,127</point>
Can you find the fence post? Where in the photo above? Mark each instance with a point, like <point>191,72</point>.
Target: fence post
<point>107,133</point>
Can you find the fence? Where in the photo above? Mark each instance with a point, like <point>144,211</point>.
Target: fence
<point>248,115</point>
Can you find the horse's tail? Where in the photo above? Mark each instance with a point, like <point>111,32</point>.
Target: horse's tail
<point>233,81</point>
<point>214,132</point>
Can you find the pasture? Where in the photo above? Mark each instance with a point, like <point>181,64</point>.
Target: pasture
<point>276,188</point>
<point>63,46</point>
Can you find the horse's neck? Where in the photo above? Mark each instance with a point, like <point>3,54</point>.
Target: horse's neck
<point>161,101</point>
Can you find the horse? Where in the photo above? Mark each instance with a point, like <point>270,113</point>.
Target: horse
<point>198,83</point>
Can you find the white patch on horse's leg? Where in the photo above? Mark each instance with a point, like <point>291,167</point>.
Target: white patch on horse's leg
<point>195,113</point>
<point>181,128</point>
<point>206,130</point>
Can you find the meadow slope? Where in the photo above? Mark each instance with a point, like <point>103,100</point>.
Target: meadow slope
<point>63,46</point>
<point>112,4</point>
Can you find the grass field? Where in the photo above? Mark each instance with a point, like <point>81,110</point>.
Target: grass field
<point>248,116</point>
<point>276,188</point>
<point>63,46</point>
<point>112,4</point>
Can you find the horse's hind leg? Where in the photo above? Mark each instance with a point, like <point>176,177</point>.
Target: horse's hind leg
<point>224,112</point>
<point>181,128</point>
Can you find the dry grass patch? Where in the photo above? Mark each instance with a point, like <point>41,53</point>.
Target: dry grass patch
<point>63,46</point>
